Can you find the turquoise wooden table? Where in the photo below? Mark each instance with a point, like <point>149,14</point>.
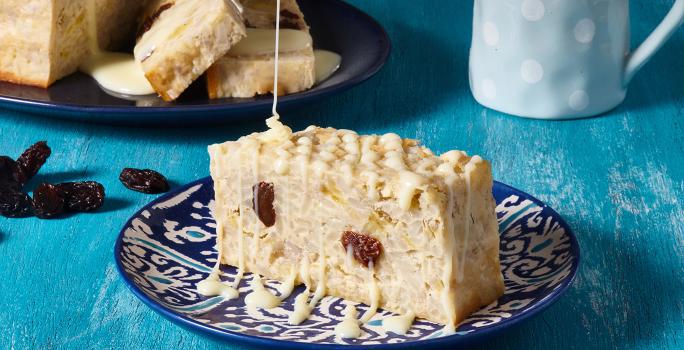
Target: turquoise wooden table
<point>618,180</point>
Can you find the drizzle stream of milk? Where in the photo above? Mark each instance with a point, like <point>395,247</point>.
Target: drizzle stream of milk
<point>117,72</point>
<point>374,294</point>
<point>277,57</point>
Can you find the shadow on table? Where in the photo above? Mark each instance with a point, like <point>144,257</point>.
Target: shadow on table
<point>60,177</point>
<point>659,83</point>
<point>112,204</point>
<point>621,298</point>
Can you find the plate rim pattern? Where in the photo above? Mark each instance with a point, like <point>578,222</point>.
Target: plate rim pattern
<point>461,339</point>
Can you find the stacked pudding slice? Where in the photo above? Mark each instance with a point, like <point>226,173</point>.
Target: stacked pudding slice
<point>247,69</point>
<point>373,219</point>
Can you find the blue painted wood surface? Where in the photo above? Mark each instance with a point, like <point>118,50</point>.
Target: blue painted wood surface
<point>618,180</point>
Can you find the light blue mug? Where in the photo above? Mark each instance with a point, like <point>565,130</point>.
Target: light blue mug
<point>556,59</point>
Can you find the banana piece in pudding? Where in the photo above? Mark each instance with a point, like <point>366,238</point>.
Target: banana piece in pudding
<point>374,219</point>
<point>247,69</point>
<point>181,39</point>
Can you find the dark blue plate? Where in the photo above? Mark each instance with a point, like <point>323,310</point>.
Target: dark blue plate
<point>335,25</point>
<point>168,246</point>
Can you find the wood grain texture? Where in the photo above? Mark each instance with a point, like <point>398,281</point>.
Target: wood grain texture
<point>618,180</point>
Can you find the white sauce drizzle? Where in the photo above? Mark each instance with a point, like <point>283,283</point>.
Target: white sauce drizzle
<point>302,310</point>
<point>409,182</point>
<point>241,229</point>
<point>260,297</point>
<point>286,288</point>
<point>349,327</point>
<point>350,255</point>
<point>374,294</point>
<point>277,59</point>
<point>326,64</point>
<point>399,324</point>
<point>448,302</point>
<point>321,285</point>
<point>114,71</point>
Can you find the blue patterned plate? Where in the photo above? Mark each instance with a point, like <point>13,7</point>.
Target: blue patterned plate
<point>168,246</point>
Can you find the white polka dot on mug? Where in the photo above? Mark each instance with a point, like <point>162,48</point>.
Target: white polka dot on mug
<point>555,59</point>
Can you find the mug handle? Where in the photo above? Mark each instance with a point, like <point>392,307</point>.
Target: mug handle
<point>655,41</point>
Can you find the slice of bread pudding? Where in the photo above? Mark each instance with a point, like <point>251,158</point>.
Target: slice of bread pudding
<point>181,39</point>
<point>248,68</point>
<point>374,219</point>
<point>43,41</point>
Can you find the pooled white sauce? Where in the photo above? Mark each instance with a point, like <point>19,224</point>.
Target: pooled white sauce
<point>349,327</point>
<point>302,310</point>
<point>261,297</point>
<point>260,42</point>
<point>399,324</point>
<point>117,72</point>
<point>326,64</point>
<point>212,286</point>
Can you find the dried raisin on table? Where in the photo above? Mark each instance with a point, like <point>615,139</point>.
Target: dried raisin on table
<point>10,174</point>
<point>145,180</point>
<point>365,248</point>
<point>33,159</point>
<point>48,201</point>
<point>15,204</point>
<point>262,202</point>
<point>82,196</point>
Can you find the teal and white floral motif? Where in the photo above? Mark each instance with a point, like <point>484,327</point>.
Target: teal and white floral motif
<point>169,247</point>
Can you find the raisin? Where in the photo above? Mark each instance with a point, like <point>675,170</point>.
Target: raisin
<point>262,203</point>
<point>145,181</point>
<point>366,248</point>
<point>15,204</point>
<point>149,21</point>
<point>32,159</point>
<point>48,201</point>
<point>10,174</point>
<point>287,24</point>
<point>82,196</point>
<point>288,14</point>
